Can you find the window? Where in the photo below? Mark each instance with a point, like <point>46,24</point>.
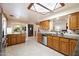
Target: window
<point>39,9</point>
<point>44,8</point>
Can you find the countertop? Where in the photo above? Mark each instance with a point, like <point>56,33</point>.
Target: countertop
<point>16,33</point>
<point>69,36</point>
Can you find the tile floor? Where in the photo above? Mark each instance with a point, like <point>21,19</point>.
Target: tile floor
<point>30,48</point>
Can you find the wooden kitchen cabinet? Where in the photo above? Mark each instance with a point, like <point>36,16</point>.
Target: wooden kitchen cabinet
<point>39,37</point>
<point>74,21</point>
<point>72,46</point>
<point>44,25</point>
<point>21,38</point>
<point>78,19</point>
<point>50,41</point>
<point>64,45</point>
<point>13,39</point>
<point>56,43</point>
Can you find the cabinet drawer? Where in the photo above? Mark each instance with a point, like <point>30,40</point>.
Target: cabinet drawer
<point>64,39</point>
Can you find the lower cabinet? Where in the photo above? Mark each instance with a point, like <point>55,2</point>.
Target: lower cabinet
<point>56,43</point>
<point>72,45</point>
<point>23,37</point>
<point>13,39</point>
<point>39,37</point>
<point>64,46</point>
<point>49,41</point>
<point>19,39</point>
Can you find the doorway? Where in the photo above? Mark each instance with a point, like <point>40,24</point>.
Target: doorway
<point>30,30</point>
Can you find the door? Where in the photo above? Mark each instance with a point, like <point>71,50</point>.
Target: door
<point>64,46</point>
<point>72,45</point>
<point>73,21</point>
<point>56,43</point>
<point>50,41</point>
<point>30,30</point>
<point>13,39</point>
<point>78,20</point>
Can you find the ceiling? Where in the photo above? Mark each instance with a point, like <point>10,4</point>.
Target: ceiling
<point>20,12</point>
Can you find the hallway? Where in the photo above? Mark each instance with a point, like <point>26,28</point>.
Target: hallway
<point>30,48</point>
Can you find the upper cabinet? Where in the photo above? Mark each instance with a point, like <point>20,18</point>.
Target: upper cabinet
<point>74,21</point>
<point>78,20</point>
<point>44,25</point>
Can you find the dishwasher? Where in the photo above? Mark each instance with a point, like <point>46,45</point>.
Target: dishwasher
<point>44,41</point>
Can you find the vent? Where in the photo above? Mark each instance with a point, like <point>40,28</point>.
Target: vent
<point>12,15</point>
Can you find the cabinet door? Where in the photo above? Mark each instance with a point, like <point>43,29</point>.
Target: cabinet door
<point>39,38</point>
<point>13,39</point>
<point>64,46</point>
<point>73,44</point>
<point>73,21</point>
<point>23,38</point>
<point>78,20</point>
<point>50,41</point>
<point>19,39</point>
<point>56,43</point>
<point>44,25</point>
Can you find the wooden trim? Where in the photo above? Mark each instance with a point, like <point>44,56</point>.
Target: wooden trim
<point>30,5</point>
<point>44,7</point>
<point>62,4</point>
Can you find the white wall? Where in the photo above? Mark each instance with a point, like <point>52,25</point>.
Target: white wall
<point>36,29</point>
<point>4,26</point>
<point>26,31</point>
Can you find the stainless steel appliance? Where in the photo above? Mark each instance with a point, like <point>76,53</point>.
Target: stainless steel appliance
<point>44,41</point>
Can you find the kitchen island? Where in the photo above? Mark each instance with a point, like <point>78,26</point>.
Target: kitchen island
<point>66,44</point>
<point>13,39</point>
